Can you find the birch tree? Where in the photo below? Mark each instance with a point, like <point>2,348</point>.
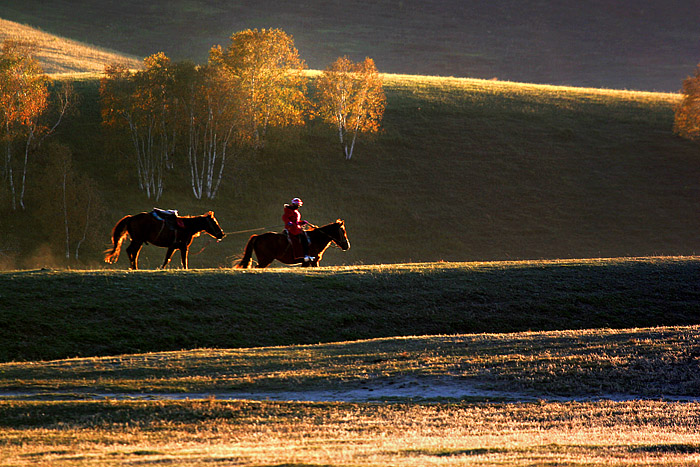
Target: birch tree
<point>23,99</point>
<point>210,109</point>
<point>142,105</point>
<point>352,99</point>
<point>70,204</point>
<point>64,98</point>
<point>265,70</point>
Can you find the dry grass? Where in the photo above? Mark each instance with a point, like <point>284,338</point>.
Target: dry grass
<point>60,55</point>
<point>268,433</point>
<point>573,93</point>
<point>652,362</point>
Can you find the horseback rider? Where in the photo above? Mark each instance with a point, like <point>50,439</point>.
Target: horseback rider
<point>293,226</point>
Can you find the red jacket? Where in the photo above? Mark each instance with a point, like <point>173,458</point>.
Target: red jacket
<point>292,220</point>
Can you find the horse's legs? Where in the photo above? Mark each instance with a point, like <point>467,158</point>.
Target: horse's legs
<point>133,252</point>
<point>183,256</point>
<point>263,260</point>
<point>168,255</point>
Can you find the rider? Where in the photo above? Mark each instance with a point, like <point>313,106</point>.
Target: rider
<point>293,223</point>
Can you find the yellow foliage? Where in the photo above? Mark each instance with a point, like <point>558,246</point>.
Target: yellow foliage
<point>687,120</point>
<point>351,98</point>
<point>266,72</point>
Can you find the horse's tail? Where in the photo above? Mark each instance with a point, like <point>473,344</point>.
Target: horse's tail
<point>118,236</point>
<point>248,254</point>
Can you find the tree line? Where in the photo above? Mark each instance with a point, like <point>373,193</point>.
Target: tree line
<point>204,114</point>
<point>208,114</point>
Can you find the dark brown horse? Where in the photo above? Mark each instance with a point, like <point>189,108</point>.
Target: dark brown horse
<point>272,246</point>
<point>146,228</point>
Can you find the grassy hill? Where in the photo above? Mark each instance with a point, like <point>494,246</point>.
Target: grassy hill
<point>464,170</point>
<point>58,314</point>
<point>61,55</point>
<point>650,45</point>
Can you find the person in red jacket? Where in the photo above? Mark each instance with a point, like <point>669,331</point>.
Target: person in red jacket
<point>293,225</point>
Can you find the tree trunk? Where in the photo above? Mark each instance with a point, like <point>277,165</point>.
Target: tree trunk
<point>24,169</point>
<point>65,215</point>
<point>85,230</point>
<point>10,175</point>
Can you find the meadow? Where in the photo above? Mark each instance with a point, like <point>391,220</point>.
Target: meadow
<point>54,314</point>
<point>592,397</point>
<point>596,389</point>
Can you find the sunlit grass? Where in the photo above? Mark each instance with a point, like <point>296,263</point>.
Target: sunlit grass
<point>655,362</point>
<point>515,88</point>
<point>269,433</point>
<point>63,56</point>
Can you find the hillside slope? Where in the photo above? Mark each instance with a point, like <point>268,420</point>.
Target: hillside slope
<point>59,314</point>
<point>61,55</point>
<point>463,170</point>
<point>626,44</point>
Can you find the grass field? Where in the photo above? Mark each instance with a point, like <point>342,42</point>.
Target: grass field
<point>627,418</point>
<point>62,55</point>
<point>57,313</point>
<point>575,395</point>
<point>620,364</point>
<point>301,434</point>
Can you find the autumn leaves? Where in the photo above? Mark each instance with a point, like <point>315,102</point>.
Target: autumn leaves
<point>208,114</point>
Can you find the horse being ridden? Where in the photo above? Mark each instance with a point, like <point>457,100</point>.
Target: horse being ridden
<point>294,226</point>
<point>272,246</point>
<point>146,228</point>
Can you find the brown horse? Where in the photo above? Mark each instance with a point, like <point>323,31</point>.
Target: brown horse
<point>146,228</point>
<point>272,246</point>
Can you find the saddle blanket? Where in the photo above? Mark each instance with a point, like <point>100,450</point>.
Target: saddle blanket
<point>169,216</point>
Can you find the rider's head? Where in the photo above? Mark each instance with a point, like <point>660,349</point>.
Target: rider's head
<point>296,203</point>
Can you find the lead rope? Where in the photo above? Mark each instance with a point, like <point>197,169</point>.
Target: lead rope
<point>210,240</point>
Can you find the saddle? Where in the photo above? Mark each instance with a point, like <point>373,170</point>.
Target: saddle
<point>170,217</point>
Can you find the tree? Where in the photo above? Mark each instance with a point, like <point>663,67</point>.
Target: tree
<point>70,205</point>
<point>23,99</point>
<point>352,99</point>
<point>143,105</point>
<point>687,114</point>
<point>266,76</point>
<point>209,106</point>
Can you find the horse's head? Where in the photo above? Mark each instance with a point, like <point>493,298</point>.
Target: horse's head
<point>338,234</point>
<point>212,226</point>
